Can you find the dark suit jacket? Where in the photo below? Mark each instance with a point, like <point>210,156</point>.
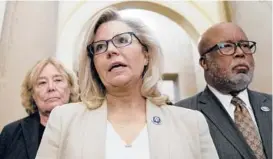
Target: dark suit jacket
<point>20,139</point>
<point>228,141</point>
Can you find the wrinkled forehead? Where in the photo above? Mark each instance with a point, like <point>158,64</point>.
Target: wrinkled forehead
<point>225,33</point>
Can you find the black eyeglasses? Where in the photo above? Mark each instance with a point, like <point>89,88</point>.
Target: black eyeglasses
<point>119,40</point>
<point>229,48</point>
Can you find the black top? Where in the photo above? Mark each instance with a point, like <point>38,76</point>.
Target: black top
<point>20,139</point>
<point>41,132</point>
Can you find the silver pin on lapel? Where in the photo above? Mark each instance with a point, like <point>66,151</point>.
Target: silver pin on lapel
<point>265,109</point>
<point>156,120</point>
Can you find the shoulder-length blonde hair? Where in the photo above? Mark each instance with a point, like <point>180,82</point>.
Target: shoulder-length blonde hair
<point>32,76</point>
<point>92,89</point>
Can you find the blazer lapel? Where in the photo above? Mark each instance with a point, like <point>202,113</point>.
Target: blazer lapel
<point>30,128</point>
<point>95,133</point>
<point>216,113</point>
<point>157,129</point>
<point>263,119</point>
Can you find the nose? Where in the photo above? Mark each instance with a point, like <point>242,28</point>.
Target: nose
<point>51,86</point>
<point>239,52</point>
<point>112,50</point>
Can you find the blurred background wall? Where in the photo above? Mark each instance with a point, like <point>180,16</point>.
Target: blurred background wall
<point>33,30</point>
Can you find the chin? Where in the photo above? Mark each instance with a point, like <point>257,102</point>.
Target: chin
<point>120,83</point>
<point>242,77</point>
<point>55,104</point>
<point>241,81</point>
<point>120,80</point>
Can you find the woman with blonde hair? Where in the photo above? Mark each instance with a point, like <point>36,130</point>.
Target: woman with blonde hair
<point>47,85</point>
<point>123,115</point>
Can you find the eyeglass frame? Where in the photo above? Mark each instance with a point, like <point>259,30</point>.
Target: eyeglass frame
<point>90,46</point>
<point>216,47</point>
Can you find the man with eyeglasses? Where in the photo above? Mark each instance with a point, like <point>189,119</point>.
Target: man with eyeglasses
<point>240,119</point>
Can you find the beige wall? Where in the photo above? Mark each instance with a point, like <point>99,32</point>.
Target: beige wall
<point>255,18</point>
<point>29,34</point>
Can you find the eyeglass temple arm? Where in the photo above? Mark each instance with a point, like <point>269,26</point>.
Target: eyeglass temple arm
<point>210,49</point>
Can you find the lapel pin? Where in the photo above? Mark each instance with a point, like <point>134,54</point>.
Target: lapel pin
<point>156,120</point>
<point>265,109</point>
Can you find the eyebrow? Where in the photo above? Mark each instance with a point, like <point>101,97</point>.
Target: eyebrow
<point>43,77</point>
<point>225,41</point>
<point>232,41</point>
<point>112,36</point>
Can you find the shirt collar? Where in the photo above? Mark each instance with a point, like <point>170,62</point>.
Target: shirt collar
<point>225,99</point>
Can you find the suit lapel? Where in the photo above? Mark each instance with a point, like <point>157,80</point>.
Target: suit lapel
<point>95,133</point>
<point>263,119</point>
<point>30,128</point>
<point>157,130</point>
<point>216,113</point>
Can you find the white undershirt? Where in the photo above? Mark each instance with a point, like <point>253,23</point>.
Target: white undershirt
<point>225,99</point>
<point>116,147</point>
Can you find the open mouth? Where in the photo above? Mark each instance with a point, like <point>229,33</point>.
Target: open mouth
<point>116,65</point>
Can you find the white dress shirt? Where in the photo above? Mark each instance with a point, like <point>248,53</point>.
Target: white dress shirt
<point>225,99</point>
<point>116,148</point>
